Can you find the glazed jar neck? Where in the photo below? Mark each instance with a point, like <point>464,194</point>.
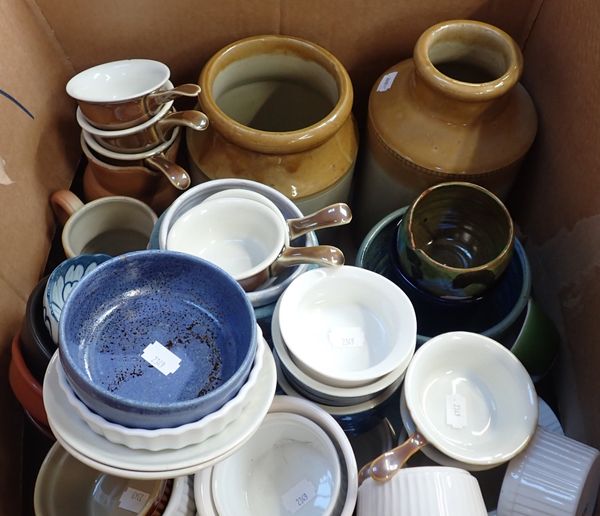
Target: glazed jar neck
<point>265,66</point>
<point>464,70</point>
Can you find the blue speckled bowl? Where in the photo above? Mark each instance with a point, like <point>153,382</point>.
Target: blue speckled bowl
<point>61,283</point>
<point>191,307</point>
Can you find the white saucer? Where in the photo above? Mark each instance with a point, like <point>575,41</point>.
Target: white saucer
<point>99,453</point>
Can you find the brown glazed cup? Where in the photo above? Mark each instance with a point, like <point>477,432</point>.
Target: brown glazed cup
<point>155,134</point>
<point>455,240</point>
<point>122,94</point>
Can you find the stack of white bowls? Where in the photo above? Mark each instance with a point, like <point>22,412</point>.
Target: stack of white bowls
<point>343,338</point>
<point>127,117</point>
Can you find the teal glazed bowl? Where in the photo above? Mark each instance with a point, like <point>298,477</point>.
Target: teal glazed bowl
<point>493,314</point>
<point>157,339</point>
<point>455,240</point>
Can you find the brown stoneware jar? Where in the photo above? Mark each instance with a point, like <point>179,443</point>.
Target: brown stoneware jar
<point>280,113</point>
<point>454,112</point>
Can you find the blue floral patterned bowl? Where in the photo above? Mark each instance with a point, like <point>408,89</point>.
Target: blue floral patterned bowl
<point>61,283</point>
<point>157,339</point>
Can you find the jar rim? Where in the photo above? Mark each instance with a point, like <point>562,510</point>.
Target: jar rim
<point>465,32</point>
<point>272,142</point>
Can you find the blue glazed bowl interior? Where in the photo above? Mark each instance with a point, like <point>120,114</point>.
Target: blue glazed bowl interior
<point>192,308</point>
<point>491,314</point>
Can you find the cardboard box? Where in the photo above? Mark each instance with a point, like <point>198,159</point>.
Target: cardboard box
<point>555,201</point>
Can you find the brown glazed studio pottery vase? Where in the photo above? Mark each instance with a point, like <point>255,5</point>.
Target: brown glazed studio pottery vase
<point>280,113</point>
<point>454,112</point>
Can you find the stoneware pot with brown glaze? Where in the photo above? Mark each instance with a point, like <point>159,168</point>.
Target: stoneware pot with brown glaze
<point>280,113</point>
<point>454,112</point>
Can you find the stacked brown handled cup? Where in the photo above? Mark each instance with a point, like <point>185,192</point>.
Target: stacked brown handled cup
<point>130,130</point>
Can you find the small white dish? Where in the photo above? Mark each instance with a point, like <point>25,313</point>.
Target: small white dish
<point>182,501</point>
<point>242,236</point>
<point>118,80</point>
<point>471,398</point>
<point>289,466</point>
<point>85,124</point>
<point>171,438</point>
<point>287,404</point>
<point>95,146</point>
<point>347,326</point>
<point>322,392</point>
<point>99,453</point>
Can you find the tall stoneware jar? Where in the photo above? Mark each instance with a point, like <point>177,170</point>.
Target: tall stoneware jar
<point>280,113</point>
<point>454,112</point>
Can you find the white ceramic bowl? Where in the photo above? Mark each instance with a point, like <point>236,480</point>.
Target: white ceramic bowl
<point>270,292</point>
<point>242,236</point>
<point>347,326</point>
<point>287,404</point>
<point>67,487</point>
<point>118,80</point>
<point>425,491</point>
<point>319,391</point>
<point>85,124</point>
<point>177,437</point>
<point>290,466</point>
<point>471,398</point>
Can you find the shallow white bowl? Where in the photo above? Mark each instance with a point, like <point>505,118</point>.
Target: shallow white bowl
<point>290,466</point>
<point>471,398</point>
<point>287,404</point>
<point>265,294</point>
<point>322,392</point>
<point>177,437</point>
<point>347,326</point>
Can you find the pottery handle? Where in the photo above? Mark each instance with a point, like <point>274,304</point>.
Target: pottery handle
<point>335,215</point>
<point>175,174</point>
<point>387,465</point>
<point>195,120</point>
<point>325,255</point>
<point>64,203</point>
<point>184,90</point>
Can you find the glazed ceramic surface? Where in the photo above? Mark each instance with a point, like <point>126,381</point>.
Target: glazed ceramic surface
<point>270,292</point>
<point>122,94</point>
<point>37,345</point>
<point>110,225</point>
<point>470,411</point>
<point>455,240</point>
<point>422,491</point>
<point>152,340</point>
<point>280,111</point>
<point>346,326</point>
<point>555,475</point>
<point>115,459</point>
<point>170,438</point>
<point>494,314</point>
<point>61,283</point>
<point>454,112</point>
<point>289,466</point>
<point>322,392</point>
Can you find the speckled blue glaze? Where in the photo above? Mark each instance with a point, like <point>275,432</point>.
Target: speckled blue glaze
<point>493,314</point>
<point>189,305</point>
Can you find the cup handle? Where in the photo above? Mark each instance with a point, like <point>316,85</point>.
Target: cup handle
<point>387,465</point>
<point>175,174</point>
<point>184,90</point>
<point>64,203</point>
<point>319,255</point>
<point>334,215</point>
<point>195,120</point>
